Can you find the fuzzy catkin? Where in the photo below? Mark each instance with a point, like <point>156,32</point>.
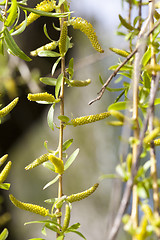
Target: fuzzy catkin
<point>58,164</point>
<point>88,30</point>
<point>4,111</point>
<point>63,39</point>
<point>89,119</point>
<point>46,6</point>
<point>49,46</point>
<point>66,218</point>
<point>3,159</point>
<point>82,195</point>
<point>43,158</point>
<point>29,207</point>
<point>5,172</point>
<point>41,97</point>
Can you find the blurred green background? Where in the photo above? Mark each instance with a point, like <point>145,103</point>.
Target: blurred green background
<point>24,132</point>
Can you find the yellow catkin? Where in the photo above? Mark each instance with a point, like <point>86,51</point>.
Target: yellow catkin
<point>79,83</point>
<point>37,162</point>
<point>82,195</point>
<point>29,207</point>
<point>4,111</point>
<point>88,30</point>
<point>41,97</point>
<point>89,119</point>
<point>5,172</point>
<point>3,159</point>
<point>57,162</point>
<point>143,229</point>
<point>63,39</point>
<point>66,218</point>
<point>46,6</point>
<point>157,142</point>
<point>151,135</point>
<point>48,46</point>
<point>148,212</point>
<point>119,52</point>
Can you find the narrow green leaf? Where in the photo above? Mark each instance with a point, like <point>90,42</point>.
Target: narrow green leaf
<point>67,144</point>
<point>74,226</point>
<point>125,23</point>
<point>4,234</point>
<point>11,44</point>
<point>52,227</point>
<point>60,237</point>
<point>48,53</point>
<point>55,65</point>
<point>43,231</point>
<point>58,84</point>
<point>1,47</point>
<point>44,222</point>
<point>146,57</point>
<point>51,182</point>
<point>79,233</point>
<point>118,106</point>
<point>43,13</point>
<point>71,159</point>
<point>48,81</point>
<point>22,28</point>
<point>70,69</point>
<point>51,200</point>
<point>12,14</point>
<point>104,176</point>
<point>46,32</point>
<point>64,118</point>
<point>114,89</point>
<point>5,186</point>
<point>49,165</point>
<point>50,117</point>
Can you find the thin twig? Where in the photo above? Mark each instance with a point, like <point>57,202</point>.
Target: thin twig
<point>122,64</point>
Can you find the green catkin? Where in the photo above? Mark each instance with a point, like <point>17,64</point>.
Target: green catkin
<point>58,163</point>
<point>46,6</point>
<point>41,97</point>
<point>49,46</point>
<point>37,162</point>
<point>148,212</point>
<point>89,119</point>
<point>88,30</point>
<point>5,172</point>
<point>66,218</point>
<point>63,39</point>
<point>120,52</point>
<point>82,195</point>
<point>151,135</point>
<point>4,111</point>
<point>29,207</point>
<point>79,83</point>
<point>3,159</point>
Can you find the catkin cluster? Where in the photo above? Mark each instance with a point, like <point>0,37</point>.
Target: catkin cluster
<point>82,195</point>
<point>89,119</point>
<point>88,30</point>
<point>46,6</point>
<point>29,207</point>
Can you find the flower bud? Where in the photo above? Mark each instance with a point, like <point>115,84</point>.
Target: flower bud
<point>79,83</point>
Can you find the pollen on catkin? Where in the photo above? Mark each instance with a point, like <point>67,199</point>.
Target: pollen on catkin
<point>46,6</point>
<point>41,97</point>
<point>43,158</point>
<point>82,195</point>
<point>89,119</point>
<point>49,46</point>
<point>63,39</point>
<point>66,218</point>
<point>29,207</point>
<point>4,173</point>
<point>88,30</point>
<point>4,111</point>
<point>57,162</point>
<point>3,159</point>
